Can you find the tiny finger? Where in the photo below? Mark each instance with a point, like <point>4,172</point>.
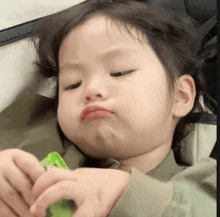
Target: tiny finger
<point>30,165</point>
<point>21,182</point>
<point>5,210</point>
<point>13,199</point>
<point>53,194</point>
<point>49,178</point>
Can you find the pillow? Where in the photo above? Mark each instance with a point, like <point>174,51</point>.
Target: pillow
<point>18,73</point>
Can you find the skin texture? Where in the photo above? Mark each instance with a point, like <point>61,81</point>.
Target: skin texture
<point>138,130</point>
<point>94,191</point>
<point>19,171</point>
<point>141,103</point>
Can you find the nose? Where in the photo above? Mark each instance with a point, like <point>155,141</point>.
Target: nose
<point>95,91</point>
<point>91,97</point>
<point>97,87</point>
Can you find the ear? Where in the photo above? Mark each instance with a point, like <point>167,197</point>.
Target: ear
<point>184,97</point>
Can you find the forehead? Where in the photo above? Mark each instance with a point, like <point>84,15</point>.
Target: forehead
<point>101,38</point>
<point>103,31</point>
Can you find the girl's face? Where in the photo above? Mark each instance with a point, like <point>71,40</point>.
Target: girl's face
<point>102,65</point>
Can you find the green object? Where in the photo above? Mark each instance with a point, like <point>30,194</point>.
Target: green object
<point>62,208</point>
<point>54,159</point>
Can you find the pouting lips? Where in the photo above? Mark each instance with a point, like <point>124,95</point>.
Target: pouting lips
<point>92,112</point>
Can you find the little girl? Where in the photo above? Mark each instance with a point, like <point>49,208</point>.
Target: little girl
<point>128,80</point>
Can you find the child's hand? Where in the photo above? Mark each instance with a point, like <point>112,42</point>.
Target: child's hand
<point>94,191</point>
<point>18,172</point>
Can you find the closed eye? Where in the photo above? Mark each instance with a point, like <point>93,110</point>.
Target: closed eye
<point>73,86</point>
<point>117,74</point>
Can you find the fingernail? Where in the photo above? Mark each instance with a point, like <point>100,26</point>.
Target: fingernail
<point>33,208</point>
<point>33,211</point>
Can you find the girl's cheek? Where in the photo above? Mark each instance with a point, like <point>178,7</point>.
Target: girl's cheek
<point>66,111</point>
<point>62,112</point>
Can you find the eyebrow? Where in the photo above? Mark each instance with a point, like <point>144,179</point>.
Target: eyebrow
<point>121,51</point>
<point>117,52</point>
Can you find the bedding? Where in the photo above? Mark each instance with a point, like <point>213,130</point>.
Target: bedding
<point>18,74</point>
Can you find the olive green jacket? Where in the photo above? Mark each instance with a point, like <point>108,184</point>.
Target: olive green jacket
<point>168,190</point>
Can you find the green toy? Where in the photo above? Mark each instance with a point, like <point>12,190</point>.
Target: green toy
<point>63,208</point>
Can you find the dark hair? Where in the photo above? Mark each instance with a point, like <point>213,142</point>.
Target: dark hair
<point>171,35</point>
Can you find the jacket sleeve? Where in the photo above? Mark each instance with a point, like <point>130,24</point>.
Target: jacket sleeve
<point>190,193</point>
<point>144,196</point>
<point>195,191</point>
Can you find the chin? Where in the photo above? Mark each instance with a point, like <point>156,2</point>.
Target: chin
<point>105,155</point>
<point>94,153</point>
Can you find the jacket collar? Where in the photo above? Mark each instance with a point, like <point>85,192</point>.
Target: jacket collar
<point>163,172</point>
